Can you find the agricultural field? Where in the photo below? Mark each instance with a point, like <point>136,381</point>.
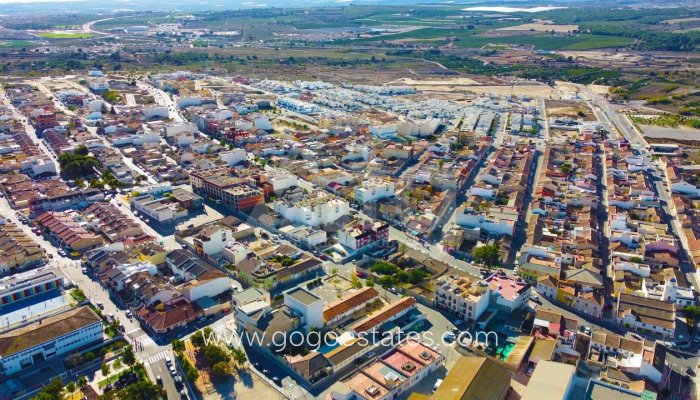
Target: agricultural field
<point>15,43</point>
<point>65,35</point>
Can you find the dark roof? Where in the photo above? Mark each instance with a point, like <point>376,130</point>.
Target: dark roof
<point>179,256</point>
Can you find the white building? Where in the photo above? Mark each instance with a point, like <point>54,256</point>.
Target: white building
<point>308,305</point>
<point>465,297</point>
<point>98,85</point>
<point>509,293</point>
<point>233,157</point>
<point>156,112</point>
<point>22,348</point>
<point>210,240</point>
<point>496,220</point>
<point>262,123</point>
<point>305,235</point>
<point>281,180</point>
<point>210,284</point>
<point>38,166</point>
<point>159,209</point>
<point>176,128</point>
<point>373,190</point>
<point>316,209</point>
<point>686,188</point>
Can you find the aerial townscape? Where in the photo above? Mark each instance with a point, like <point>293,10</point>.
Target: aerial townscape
<point>349,200</point>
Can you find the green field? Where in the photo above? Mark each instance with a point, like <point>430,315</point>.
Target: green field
<point>65,35</point>
<point>16,43</point>
<point>467,39</point>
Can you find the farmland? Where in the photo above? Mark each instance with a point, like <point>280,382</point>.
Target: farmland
<point>65,35</point>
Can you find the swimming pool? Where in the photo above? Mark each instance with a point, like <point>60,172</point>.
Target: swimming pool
<point>328,347</point>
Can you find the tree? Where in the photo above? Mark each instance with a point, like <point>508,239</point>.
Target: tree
<point>239,356</point>
<point>197,339</point>
<point>692,312</point>
<point>220,369</point>
<point>128,356</point>
<point>487,254</point>
<point>117,364</point>
<point>140,390</point>
<point>105,369</point>
<point>402,248</point>
<point>52,391</point>
<point>386,281</point>
<point>369,282</point>
<point>82,382</point>
<point>384,268</point>
<point>214,354</point>
<point>178,345</point>
<point>356,283</point>
<point>566,167</point>
<point>70,387</point>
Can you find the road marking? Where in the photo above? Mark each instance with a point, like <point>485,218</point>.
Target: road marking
<point>157,357</point>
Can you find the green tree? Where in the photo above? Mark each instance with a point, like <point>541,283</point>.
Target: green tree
<point>692,312</point>
<point>403,248</point>
<point>105,369</point>
<point>220,369</point>
<point>197,339</point>
<point>82,382</point>
<point>117,364</point>
<point>487,254</point>
<point>214,354</point>
<point>128,356</point>
<point>355,280</point>
<point>70,387</point>
<point>143,389</point>
<point>178,345</point>
<point>52,391</point>
<point>386,281</point>
<point>369,282</point>
<point>384,268</point>
<point>239,356</point>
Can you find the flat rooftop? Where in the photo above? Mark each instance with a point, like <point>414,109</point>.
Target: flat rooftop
<point>303,296</point>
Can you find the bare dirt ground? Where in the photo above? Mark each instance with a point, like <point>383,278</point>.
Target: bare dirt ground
<point>444,82</point>
<point>572,109</point>
<point>661,132</point>
<point>541,27</point>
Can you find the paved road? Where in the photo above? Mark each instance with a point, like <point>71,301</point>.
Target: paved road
<point>615,122</point>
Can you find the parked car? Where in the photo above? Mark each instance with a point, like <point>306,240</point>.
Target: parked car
<point>448,337</point>
<point>682,345</point>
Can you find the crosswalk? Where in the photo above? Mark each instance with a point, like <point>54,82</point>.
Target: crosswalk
<point>157,357</point>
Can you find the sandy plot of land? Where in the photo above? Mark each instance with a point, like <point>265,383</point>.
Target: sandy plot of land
<point>540,27</point>
<point>603,55</point>
<point>601,90</point>
<point>681,20</point>
<point>522,90</point>
<point>571,109</point>
<point>445,82</point>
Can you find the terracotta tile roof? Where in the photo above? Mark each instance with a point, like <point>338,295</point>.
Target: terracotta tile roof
<point>383,315</point>
<point>349,302</point>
